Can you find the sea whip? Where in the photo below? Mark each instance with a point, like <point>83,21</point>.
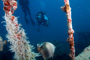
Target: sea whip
<point>16,35</point>
<point>70,39</point>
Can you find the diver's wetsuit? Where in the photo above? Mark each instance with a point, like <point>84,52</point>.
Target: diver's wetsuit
<point>42,19</point>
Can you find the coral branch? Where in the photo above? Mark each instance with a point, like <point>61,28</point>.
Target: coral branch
<point>70,39</point>
<point>16,35</point>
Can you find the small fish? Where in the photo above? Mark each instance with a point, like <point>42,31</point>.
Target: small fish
<point>66,8</point>
<point>46,49</point>
<point>63,8</point>
<point>2,44</point>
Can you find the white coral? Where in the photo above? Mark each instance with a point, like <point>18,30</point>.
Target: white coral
<point>18,40</point>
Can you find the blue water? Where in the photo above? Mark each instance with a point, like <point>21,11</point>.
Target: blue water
<point>57,28</point>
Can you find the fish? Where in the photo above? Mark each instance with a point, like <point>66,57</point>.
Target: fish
<point>46,49</point>
<point>2,43</point>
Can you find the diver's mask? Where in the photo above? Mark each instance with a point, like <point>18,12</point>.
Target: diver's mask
<point>39,16</point>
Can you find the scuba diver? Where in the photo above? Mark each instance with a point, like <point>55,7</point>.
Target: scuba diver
<point>25,8</point>
<point>42,19</point>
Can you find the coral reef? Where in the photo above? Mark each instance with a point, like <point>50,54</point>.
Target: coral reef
<point>16,35</point>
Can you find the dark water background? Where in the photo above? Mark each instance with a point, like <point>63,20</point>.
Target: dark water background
<point>57,29</point>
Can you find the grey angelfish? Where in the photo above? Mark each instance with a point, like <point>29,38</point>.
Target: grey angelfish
<point>46,49</point>
<point>2,44</point>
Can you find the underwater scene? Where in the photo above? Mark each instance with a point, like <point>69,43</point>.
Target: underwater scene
<point>44,30</point>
